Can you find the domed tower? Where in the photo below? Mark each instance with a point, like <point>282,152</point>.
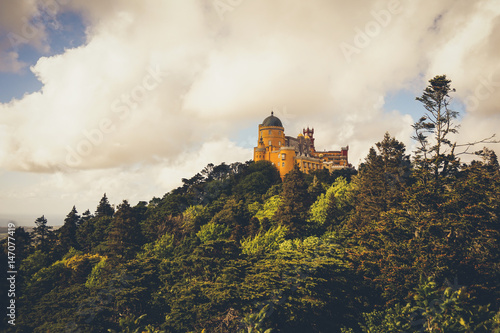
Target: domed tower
<point>271,137</point>
<point>272,145</point>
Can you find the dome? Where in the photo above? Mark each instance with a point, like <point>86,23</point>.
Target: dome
<point>272,121</point>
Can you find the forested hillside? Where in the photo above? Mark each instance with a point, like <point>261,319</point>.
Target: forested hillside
<point>404,244</point>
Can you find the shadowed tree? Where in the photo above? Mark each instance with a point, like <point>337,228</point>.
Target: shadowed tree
<point>67,233</point>
<point>381,181</point>
<point>42,233</point>
<point>104,208</point>
<point>125,235</point>
<point>293,211</point>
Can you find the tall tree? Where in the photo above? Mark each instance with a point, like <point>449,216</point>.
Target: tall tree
<point>382,178</point>
<point>433,130</point>
<point>104,208</point>
<point>294,208</point>
<point>125,236</point>
<point>23,243</point>
<point>42,233</point>
<point>67,233</point>
<point>87,215</point>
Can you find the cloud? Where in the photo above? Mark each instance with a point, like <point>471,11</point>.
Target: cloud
<point>57,192</point>
<point>9,62</point>
<point>328,64</point>
<point>20,25</point>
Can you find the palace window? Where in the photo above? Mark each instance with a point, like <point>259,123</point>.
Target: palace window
<point>270,143</point>
<point>283,164</point>
<point>270,132</point>
<point>283,156</point>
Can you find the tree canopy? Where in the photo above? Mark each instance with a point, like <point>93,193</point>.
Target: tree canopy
<point>407,243</point>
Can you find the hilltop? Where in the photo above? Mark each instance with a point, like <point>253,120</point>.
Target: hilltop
<point>404,243</point>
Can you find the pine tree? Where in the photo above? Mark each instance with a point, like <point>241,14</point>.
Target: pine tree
<point>67,233</point>
<point>42,233</point>
<point>87,215</point>
<point>125,235</point>
<point>433,130</point>
<point>104,208</point>
<point>294,208</point>
<point>23,243</point>
<point>381,181</point>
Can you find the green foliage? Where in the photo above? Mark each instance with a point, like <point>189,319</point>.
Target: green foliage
<point>213,232</point>
<point>125,235</point>
<point>234,249</point>
<point>254,322</point>
<point>433,309</point>
<point>96,277</point>
<point>435,156</point>
<point>264,242</point>
<point>332,205</point>
<point>162,248</point>
<point>256,181</point>
<point>104,208</point>
<point>382,179</point>
<point>293,211</point>
<point>266,210</point>
<point>193,216</point>
<point>130,324</point>
<point>34,262</point>
<point>42,233</point>
<point>67,233</point>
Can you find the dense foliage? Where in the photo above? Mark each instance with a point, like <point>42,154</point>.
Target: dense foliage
<point>402,245</point>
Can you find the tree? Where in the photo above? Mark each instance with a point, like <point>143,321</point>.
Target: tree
<point>42,233</point>
<point>213,232</point>
<point>293,211</point>
<point>436,155</point>
<point>87,215</point>
<point>264,242</point>
<point>433,309</point>
<point>234,215</point>
<point>125,236</point>
<point>104,208</point>
<point>331,207</point>
<point>381,180</point>
<point>23,243</point>
<point>67,233</point>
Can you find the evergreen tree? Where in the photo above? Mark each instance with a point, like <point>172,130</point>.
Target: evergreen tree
<point>234,215</point>
<point>104,208</point>
<point>42,233</point>
<point>67,233</point>
<point>294,208</point>
<point>87,215</point>
<point>125,236</point>
<point>435,154</point>
<point>380,184</point>
<point>23,243</point>
<point>315,188</point>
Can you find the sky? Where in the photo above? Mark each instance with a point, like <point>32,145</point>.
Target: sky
<point>127,97</point>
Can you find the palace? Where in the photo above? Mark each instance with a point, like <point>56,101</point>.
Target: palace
<point>286,151</point>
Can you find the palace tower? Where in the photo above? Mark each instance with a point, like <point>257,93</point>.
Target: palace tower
<point>285,151</point>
